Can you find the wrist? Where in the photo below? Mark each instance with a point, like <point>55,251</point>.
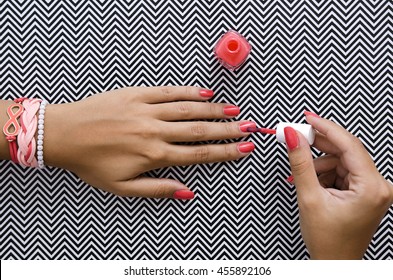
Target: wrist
<point>56,145</point>
<point>349,255</point>
<point>349,250</point>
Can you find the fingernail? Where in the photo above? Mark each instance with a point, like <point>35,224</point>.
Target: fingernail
<point>291,138</point>
<point>308,113</point>
<point>290,179</point>
<point>231,110</point>
<point>244,125</point>
<point>183,194</point>
<point>206,92</point>
<point>247,147</point>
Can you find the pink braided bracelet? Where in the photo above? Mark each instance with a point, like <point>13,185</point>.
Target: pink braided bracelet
<point>26,136</point>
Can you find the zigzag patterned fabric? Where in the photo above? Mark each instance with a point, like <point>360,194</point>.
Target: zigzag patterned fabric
<point>330,57</point>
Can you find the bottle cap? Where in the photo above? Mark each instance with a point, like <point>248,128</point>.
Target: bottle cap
<point>232,50</point>
<point>305,129</point>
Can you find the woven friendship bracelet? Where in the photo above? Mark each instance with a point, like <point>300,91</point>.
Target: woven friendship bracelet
<point>26,136</point>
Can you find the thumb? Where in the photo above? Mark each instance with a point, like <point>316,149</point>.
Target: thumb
<point>302,165</point>
<point>154,188</point>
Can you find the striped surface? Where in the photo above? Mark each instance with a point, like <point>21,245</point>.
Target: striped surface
<point>330,57</point>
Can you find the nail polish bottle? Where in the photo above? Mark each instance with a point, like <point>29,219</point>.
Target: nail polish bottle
<point>305,129</point>
<point>232,50</point>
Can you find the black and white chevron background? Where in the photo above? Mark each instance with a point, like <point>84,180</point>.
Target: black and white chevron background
<point>330,57</point>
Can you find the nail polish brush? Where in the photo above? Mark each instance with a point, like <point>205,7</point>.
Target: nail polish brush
<point>305,129</point>
<point>262,130</point>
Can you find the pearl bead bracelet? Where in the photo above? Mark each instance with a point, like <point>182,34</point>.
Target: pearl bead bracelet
<point>40,141</point>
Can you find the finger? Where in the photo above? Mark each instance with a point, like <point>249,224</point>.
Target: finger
<point>302,166</point>
<point>204,131</point>
<point>154,95</point>
<point>196,154</point>
<point>352,152</point>
<point>327,179</point>
<point>174,111</point>
<point>341,171</point>
<point>153,188</point>
<point>324,145</point>
<point>325,163</point>
<point>341,184</point>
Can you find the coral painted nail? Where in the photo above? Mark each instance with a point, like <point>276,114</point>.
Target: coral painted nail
<point>246,147</point>
<point>231,110</point>
<point>183,194</point>
<point>245,125</point>
<point>308,113</point>
<point>206,92</point>
<point>291,138</point>
<point>290,179</point>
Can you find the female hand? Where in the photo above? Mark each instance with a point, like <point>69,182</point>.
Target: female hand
<point>110,139</point>
<point>342,197</point>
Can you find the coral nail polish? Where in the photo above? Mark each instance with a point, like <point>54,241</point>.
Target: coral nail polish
<point>183,194</point>
<point>232,50</point>
<point>290,179</point>
<point>308,113</point>
<point>206,92</point>
<point>245,125</point>
<point>247,147</point>
<point>231,110</point>
<point>291,138</point>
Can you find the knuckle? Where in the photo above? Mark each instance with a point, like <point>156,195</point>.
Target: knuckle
<point>166,91</point>
<point>202,154</point>
<point>383,196</point>
<point>189,91</point>
<point>352,143</point>
<point>121,99</point>
<point>353,140</point>
<point>231,128</point>
<point>152,131</point>
<point>146,132</point>
<point>127,98</point>
<point>159,190</point>
<point>184,109</point>
<point>155,155</point>
<point>229,152</point>
<point>299,166</point>
<point>213,109</point>
<point>198,130</point>
<point>155,130</point>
